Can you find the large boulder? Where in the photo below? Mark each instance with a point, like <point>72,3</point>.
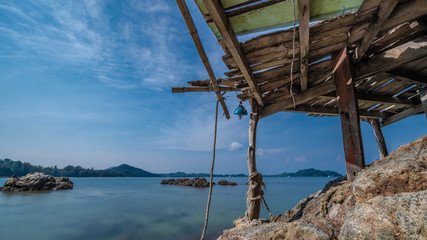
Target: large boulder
<point>387,200</point>
<point>36,182</point>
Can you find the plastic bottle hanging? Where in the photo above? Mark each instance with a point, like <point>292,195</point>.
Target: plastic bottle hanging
<point>240,111</point>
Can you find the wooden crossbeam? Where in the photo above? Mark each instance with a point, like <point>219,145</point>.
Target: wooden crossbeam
<point>375,98</point>
<point>333,111</point>
<point>408,77</point>
<point>384,11</point>
<point>299,98</point>
<point>402,115</point>
<point>217,13</point>
<point>392,58</point>
<point>349,113</point>
<point>201,89</point>
<point>196,39</point>
<point>304,34</point>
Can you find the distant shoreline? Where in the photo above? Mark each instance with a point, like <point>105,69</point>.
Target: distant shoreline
<point>9,168</point>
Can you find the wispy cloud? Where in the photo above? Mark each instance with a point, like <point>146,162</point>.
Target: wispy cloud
<point>137,49</point>
<point>272,151</point>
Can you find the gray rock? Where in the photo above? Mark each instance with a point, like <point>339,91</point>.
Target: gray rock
<point>36,182</point>
<point>196,182</point>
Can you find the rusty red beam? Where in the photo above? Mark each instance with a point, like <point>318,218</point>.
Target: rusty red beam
<point>348,110</point>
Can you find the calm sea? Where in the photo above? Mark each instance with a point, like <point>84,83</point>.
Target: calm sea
<point>138,208</point>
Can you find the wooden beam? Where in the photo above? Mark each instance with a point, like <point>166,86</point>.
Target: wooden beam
<point>379,99</point>
<point>392,58</point>
<point>255,179</point>
<point>223,81</point>
<point>382,147</point>
<point>201,89</point>
<point>408,77</point>
<point>216,12</point>
<point>304,34</point>
<point>423,97</point>
<point>349,113</point>
<point>328,111</point>
<point>196,39</point>
<point>402,115</point>
<point>384,11</point>
<point>299,98</point>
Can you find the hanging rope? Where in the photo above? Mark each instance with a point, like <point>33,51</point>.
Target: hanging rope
<point>211,177</point>
<point>293,54</point>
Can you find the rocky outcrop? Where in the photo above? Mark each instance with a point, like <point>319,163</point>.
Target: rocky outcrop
<point>227,183</point>
<point>196,182</point>
<point>36,182</point>
<point>387,200</point>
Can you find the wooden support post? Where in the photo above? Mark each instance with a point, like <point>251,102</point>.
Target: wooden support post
<point>255,192</point>
<point>423,97</point>
<point>382,147</point>
<point>349,114</point>
<point>304,28</point>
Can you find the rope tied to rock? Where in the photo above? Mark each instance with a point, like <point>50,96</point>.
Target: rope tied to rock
<point>255,178</point>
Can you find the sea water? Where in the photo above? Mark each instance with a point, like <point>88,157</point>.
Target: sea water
<point>138,208</point>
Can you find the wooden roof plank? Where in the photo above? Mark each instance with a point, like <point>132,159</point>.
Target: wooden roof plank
<point>384,11</point>
<point>217,13</point>
<point>201,89</point>
<point>329,111</point>
<point>196,39</point>
<point>402,115</point>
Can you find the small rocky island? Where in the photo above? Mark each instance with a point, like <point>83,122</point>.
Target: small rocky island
<point>196,182</point>
<point>36,182</point>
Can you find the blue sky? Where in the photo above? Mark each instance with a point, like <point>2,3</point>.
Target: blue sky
<point>89,82</point>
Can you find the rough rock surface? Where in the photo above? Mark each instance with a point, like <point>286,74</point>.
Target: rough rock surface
<point>196,182</point>
<point>36,182</point>
<point>225,182</point>
<point>387,200</point>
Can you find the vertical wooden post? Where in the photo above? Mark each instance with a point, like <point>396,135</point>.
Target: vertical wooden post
<point>349,114</point>
<point>423,96</point>
<point>382,147</point>
<point>255,179</point>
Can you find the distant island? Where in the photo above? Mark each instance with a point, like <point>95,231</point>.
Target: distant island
<point>9,168</point>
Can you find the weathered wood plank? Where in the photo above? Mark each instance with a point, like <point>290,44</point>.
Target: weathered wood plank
<point>299,98</point>
<point>255,178</point>
<point>376,98</point>
<point>402,115</point>
<point>330,111</point>
<point>196,39</point>
<point>201,89</point>
<point>392,58</point>
<point>349,113</point>
<point>223,81</point>
<point>382,147</point>
<point>384,11</point>
<point>408,77</point>
<point>217,13</point>
<point>304,33</point>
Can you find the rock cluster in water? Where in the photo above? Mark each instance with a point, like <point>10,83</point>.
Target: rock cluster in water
<point>387,200</point>
<point>225,182</point>
<point>36,182</point>
<point>196,182</point>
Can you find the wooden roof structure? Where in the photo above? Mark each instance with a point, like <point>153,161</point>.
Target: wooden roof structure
<point>360,60</point>
<point>388,41</point>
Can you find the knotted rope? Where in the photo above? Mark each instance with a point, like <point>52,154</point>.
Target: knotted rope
<point>253,178</point>
<point>211,177</point>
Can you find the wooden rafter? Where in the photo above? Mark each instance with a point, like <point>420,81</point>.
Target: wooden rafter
<point>329,111</point>
<point>201,89</point>
<point>299,98</point>
<point>384,11</point>
<point>402,115</point>
<point>408,77</point>
<point>217,14</point>
<point>196,39</point>
<point>392,58</point>
<point>304,33</point>
<point>379,99</point>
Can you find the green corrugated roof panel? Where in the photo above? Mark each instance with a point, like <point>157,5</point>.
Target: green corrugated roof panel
<point>280,14</point>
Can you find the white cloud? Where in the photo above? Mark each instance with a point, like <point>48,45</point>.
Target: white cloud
<point>235,146</point>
